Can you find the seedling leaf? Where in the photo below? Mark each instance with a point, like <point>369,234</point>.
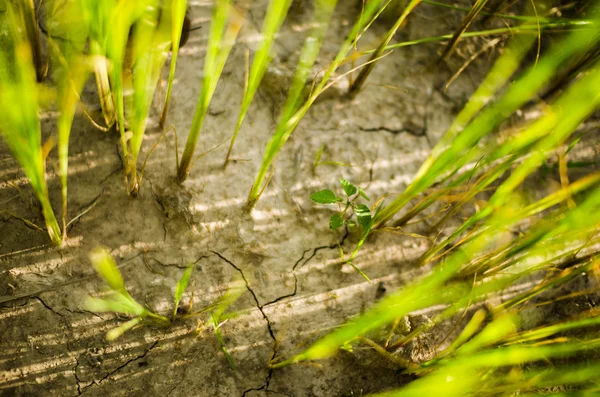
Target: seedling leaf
<point>349,188</point>
<point>121,329</point>
<point>336,221</point>
<point>363,194</point>
<point>182,285</point>
<point>106,267</point>
<point>363,214</point>
<point>116,304</point>
<point>325,197</point>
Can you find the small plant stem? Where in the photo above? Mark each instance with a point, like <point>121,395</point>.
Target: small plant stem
<point>366,71</point>
<point>466,22</point>
<point>103,83</point>
<point>190,146</point>
<point>51,223</point>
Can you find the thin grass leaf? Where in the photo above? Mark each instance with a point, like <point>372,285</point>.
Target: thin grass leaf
<point>517,94</point>
<point>276,13</point>
<point>107,268</point>
<point>308,55</point>
<point>116,303</point>
<point>20,125</point>
<point>224,28</point>
<point>219,336</point>
<point>370,64</point>
<point>464,25</point>
<point>121,329</point>
<point>182,286</point>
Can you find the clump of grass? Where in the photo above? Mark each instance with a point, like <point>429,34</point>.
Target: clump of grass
<point>481,257</point>
<point>118,300</point>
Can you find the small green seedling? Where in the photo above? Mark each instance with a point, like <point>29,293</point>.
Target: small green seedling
<point>361,212</point>
<point>181,287</point>
<point>120,301</point>
<point>339,219</point>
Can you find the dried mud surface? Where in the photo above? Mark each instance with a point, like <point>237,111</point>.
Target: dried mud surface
<point>296,288</point>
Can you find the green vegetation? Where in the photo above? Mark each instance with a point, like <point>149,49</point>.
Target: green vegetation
<point>480,169</point>
<point>118,300</point>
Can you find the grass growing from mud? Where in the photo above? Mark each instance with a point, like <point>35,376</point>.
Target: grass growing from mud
<point>480,167</point>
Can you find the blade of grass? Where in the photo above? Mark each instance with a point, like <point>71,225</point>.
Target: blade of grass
<point>19,120</point>
<point>221,39</point>
<point>517,94</point>
<point>464,25</point>
<point>274,18</point>
<point>366,71</point>
<point>292,111</point>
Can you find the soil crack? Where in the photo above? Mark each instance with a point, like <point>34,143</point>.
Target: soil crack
<point>301,262</point>
<point>48,307</point>
<point>269,327</point>
<point>414,130</point>
<point>121,366</point>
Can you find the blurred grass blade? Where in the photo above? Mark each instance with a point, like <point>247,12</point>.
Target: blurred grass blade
<point>71,71</point>
<point>117,303</point>
<point>121,329</point>
<point>100,16</point>
<point>19,120</point>
<point>178,10</point>
<point>274,18</point>
<point>33,36</point>
<point>151,41</point>
<point>561,119</point>
<point>524,89</point>
<point>107,268</point>
<point>220,42</point>
<point>219,336</point>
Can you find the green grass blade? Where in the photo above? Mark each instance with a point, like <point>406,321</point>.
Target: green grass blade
<point>121,329</point>
<point>464,25</point>
<point>308,55</point>
<point>370,64</point>
<point>287,125</point>
<point>19,120</point>
<point>107,269</point>
<point>219,47</point>
<point>182,286</point>
<point>517,94</point>
<point>274,18</point>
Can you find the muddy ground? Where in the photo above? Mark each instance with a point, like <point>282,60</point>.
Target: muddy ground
<point>296,288</point>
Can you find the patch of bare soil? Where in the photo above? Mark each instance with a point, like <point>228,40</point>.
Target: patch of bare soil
<point>296,288</point>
